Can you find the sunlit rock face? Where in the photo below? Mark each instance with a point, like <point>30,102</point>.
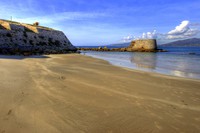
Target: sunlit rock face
<point>17,37</point>
<point>146,44</point>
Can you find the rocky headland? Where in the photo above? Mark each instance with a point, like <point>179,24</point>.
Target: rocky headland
<point>30,39</point>
<point>146,45</point>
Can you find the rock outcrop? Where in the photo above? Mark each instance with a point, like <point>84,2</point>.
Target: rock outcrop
<point>20,38</point>
<point>147,45</point>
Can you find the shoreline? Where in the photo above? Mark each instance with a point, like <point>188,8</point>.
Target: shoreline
<point>146,71</point>
<point>127,63</point>
<point>125,68</point>
<point>77,93</point>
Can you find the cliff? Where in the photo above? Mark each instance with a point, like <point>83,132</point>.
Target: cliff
<point>19,38</point>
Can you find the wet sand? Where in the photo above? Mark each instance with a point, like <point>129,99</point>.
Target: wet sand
<point>79,94</point>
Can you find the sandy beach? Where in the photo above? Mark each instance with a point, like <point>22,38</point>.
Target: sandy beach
<point>79,94</point>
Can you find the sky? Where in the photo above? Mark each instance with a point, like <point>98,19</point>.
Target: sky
<point>103,22</point>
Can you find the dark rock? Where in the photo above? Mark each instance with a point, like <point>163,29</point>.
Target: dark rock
<point>19,40</point>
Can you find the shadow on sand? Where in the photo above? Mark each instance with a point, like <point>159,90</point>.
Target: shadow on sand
<point>18,57</point>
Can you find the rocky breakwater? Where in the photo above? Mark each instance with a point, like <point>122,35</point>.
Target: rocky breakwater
<point>26,39</point>
<point>146,45</point>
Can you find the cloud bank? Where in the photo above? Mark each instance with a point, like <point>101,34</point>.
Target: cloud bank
<point>64,16</point>
<point>128,38</point>
<point>147,35</point>
<point>185,30</point>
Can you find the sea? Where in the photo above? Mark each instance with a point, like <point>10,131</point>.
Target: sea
<point>178,61</point>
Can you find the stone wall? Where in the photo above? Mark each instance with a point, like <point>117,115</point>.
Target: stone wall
<point>6,25</point>
<point>30,28</point>
<point>16,27</point>
<point>16,34</point>
<point>147,44</point>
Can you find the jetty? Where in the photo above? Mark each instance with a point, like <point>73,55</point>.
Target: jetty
<point>144,45</point>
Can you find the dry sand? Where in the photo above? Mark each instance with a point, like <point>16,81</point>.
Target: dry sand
<point>78,94</point>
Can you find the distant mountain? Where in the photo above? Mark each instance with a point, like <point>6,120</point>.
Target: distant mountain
<point>119,45</point>
<point>192,42</point>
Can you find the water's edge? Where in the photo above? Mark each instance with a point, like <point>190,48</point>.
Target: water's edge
<point>167,64</point>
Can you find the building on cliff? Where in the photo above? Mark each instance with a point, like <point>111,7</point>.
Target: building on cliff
<point>18,37</point>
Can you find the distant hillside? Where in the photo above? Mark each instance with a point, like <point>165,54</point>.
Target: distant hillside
<point>192,42</point>
<point>119,45</point>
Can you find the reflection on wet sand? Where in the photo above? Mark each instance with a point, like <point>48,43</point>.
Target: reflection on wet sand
<point>165,63</point>
<point>182,74</point>
<point>144,60</point>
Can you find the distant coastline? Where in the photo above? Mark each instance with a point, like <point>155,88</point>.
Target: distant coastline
<point>192,42</point>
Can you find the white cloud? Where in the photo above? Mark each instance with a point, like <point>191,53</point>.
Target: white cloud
<point>30,11</point>
<point>195,24</point>
<point>152,35</point>
<point>183,30</point>
<point>127,38</point>
<point>54,18</point>
<point>148,35</point>
<point>144,35</point>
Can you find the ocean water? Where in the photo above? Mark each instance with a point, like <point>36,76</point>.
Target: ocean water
<point>178,61</point>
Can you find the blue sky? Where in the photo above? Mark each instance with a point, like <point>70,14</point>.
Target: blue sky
<point>101,22</point>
